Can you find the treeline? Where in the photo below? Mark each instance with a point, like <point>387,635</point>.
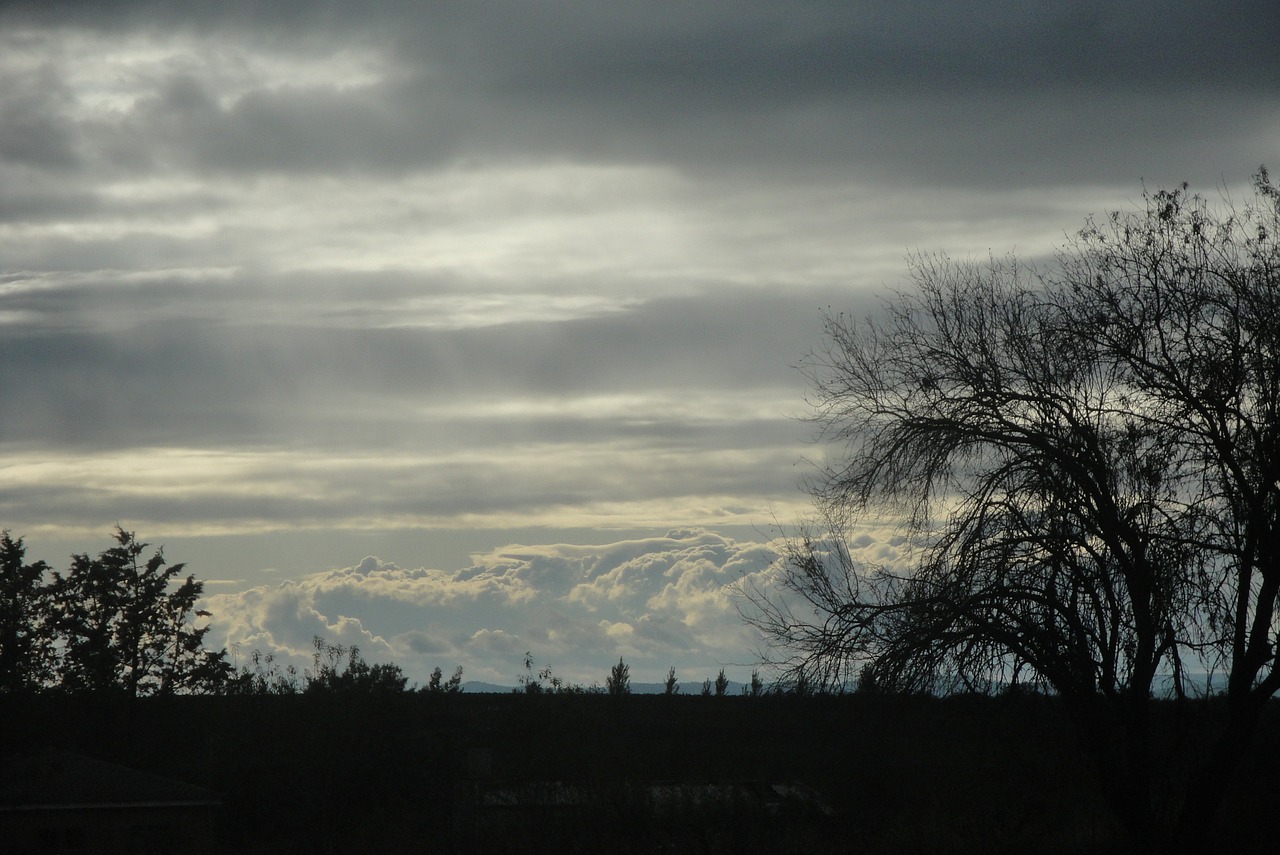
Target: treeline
<point>543,681</point>
<point>334,668</point>
<point>124,624</point>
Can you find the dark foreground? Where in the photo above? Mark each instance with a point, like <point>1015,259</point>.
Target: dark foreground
<point>515,773</point>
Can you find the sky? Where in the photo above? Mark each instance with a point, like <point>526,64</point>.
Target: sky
<point>461,330</point>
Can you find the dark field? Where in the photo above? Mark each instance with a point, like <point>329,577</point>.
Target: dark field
<point>515,773</point>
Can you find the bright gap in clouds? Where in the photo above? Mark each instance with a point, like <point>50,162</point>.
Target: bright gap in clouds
<point>105,73</point>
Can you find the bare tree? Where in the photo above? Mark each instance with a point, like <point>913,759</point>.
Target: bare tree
<point>1185,302</point>
<point>1086,466</point>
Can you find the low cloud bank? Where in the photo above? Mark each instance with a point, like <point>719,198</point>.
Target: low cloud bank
<point>656,602</point>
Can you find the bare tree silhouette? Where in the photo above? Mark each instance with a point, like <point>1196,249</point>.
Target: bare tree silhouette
<point>1088,466</point>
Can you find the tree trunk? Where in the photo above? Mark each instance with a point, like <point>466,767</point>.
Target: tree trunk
<point>1208,789</point>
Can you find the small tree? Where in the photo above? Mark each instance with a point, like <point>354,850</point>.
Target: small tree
<point>722,684</point>
<point>671,686</point>
<point>437,685</point>
<point>544,680</point>
<point>619,680</point>
<point>262,675</point>
<point>866,684</point>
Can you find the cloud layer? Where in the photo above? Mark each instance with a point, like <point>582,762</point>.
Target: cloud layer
<point>657,602</point>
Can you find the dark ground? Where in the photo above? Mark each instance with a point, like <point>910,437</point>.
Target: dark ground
<point>515,773</point>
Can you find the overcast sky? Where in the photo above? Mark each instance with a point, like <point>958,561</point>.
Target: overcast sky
<point>510,295</point>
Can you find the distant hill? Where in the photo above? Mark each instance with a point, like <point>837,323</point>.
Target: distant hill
<point>479,687</point>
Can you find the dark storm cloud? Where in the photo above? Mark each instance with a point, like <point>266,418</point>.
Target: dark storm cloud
<point>761,47</point>
<point>978,93</point>
<point>844,82</point>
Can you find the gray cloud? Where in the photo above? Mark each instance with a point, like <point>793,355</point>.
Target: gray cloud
<point>33,132</point>
<point>304,271</point>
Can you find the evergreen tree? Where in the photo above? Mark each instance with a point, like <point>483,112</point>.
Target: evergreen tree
<point>672,685</point>
<point>619,680</point>
<point>25,634</point>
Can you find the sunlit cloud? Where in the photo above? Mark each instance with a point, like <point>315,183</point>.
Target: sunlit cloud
<point>658,602</point>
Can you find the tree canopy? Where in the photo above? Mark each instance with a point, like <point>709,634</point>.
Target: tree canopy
<point>114,623</point>
<point>129,624</point>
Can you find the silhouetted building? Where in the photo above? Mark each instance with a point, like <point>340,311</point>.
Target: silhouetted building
<point>60,802</point>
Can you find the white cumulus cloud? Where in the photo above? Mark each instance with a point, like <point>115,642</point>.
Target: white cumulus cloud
<point>657,602</point>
